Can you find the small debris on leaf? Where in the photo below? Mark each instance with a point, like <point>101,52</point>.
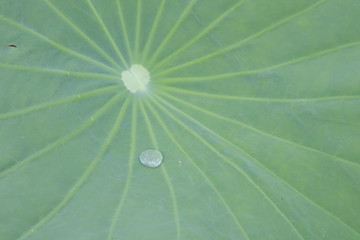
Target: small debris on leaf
<point>12,45</point>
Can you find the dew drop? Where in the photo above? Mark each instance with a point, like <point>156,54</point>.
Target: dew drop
<point>151,158</point>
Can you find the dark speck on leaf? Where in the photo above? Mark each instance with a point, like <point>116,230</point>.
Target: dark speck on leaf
<point>12,45</point>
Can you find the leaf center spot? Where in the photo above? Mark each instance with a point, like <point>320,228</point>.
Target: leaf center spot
<point>136,78</point>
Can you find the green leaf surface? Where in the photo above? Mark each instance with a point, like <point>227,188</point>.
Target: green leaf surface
<point>254,105</point>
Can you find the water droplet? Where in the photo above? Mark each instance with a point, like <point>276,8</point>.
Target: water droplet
<point>151,158</point>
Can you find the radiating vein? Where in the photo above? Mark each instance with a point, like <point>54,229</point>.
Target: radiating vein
<point>242,42</point>
<point>54,103</point>
<point>124,29</point>
<point>57,45</point>
<point>107,33</point>
<point>164,171</point>
<point>200,35</point>
<point>232,164</point>
<point>259,163</point>
<point>260,70</point>
<point>82,34</point>
<point>60,72</point>
<point>173,30</point>
<point>256,161</point>
<point>207,179</point>
<point>255,99</point>
<point>138,28</point>
<point>154,26</point>
<point>242,124</point>
<point>75,188</point>
<point>125,191</point>
<point>63,139</point>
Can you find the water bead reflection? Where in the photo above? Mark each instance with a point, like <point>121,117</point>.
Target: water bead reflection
<point>151,158</point>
